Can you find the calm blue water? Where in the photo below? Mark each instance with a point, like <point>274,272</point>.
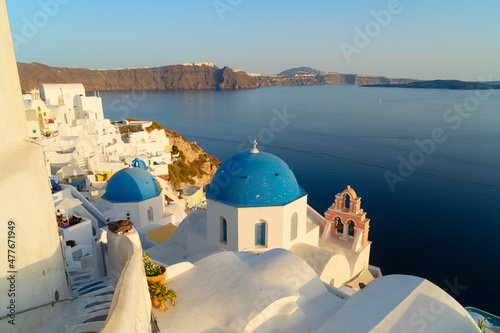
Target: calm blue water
<point>441,223</point>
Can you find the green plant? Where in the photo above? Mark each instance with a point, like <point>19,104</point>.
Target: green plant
<point>182,156</point>
<point>182,173</point>
<point>162,293</point>
<point>150,267</point>
<point>480,324</point>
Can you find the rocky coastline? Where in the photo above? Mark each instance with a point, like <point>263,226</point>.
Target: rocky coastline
<point>202,76</point>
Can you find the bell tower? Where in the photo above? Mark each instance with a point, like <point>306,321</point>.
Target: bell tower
<point>346,220</point>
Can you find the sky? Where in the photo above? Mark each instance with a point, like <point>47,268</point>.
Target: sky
<point>421,39</point>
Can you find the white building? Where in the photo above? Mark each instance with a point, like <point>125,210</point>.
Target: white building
<point>229,291</point>
<point>254,203</point>
<point>136,191</point>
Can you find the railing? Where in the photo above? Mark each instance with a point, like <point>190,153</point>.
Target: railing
<point>101,220</point>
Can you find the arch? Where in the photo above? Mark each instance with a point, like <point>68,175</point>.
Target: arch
<point>350,191</point>
<point>339,226</point>
<point>222,230</point>
<point>294,226</point>
<point>150,214</point>
<point>261,233</point>
<point>352,229</point>
<point>347,199</point>
<point>336,271</point>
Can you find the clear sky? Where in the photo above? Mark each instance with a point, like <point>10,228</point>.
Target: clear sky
<point>423,39</point>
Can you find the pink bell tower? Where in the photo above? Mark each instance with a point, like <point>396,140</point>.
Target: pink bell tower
<point>346,220</point>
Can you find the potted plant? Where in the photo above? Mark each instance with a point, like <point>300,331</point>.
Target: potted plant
<point>480,324</point>
<point>154,272</point>
<point>159,294</point>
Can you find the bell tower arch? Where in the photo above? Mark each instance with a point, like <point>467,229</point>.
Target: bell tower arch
<point>346,220</point>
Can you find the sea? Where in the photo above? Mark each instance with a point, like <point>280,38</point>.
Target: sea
<point>426,163</point>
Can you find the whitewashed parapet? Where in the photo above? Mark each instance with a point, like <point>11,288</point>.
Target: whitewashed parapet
<point>130,309</point>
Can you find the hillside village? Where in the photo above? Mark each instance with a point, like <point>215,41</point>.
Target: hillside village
<point>84,150</point>
<point>88,203</point>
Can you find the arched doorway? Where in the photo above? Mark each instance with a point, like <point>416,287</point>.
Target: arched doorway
<point>222,230</point>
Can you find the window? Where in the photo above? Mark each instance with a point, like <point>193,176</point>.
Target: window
<point>293,227</point>
<point>150,214</point>
<point>222,230</point>
<point>34,131</point>
<point>260,234</point>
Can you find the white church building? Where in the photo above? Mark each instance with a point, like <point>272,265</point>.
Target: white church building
<point>135,191</point>
<point>255,203</point>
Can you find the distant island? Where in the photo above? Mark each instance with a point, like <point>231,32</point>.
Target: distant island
<point>190,76</point>
<point>301,71</point>
<point>442,84</point>
<point>207,76</point>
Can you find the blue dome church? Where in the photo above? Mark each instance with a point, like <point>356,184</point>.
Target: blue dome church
<point>136,192</point>
<point>254,203</point>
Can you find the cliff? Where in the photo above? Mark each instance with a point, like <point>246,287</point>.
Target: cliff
<point>205,164</point>
<point>185,77</point>
<point>174,77</point>
<point>325,79</point>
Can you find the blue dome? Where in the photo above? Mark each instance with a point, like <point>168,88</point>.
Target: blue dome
<point>131,185</point>
<point>254,180</point>
<point>137,163</point>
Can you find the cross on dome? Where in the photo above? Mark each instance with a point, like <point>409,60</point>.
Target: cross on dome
<point>254,150</point>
